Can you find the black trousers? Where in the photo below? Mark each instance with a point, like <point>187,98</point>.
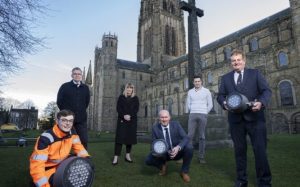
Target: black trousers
<point>258,136</point>
<point>81,129</point>
<point>186,154</point>
<point>118,149</point>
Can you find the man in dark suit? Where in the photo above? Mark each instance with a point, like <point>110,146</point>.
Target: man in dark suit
<point>180,148</point>
<point>75,96</point>
<point>253,85</point>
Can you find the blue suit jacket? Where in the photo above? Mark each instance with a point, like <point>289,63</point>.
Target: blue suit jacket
<point>254,87</point>
<point>178,136</point>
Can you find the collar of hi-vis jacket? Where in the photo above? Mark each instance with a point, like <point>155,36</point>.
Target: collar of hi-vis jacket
<point>59,133</point>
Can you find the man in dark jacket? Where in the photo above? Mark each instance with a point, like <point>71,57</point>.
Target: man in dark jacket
<point>179,146</point>
<point>75,96</point>
<point>254,87</point>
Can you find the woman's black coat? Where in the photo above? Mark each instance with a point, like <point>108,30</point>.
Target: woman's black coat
<point>126,130</point>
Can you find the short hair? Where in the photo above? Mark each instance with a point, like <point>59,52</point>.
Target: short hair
<point>237,52</point>
<point>76,68</point>
<point>130,85</point>
<point>65,113</point>
<point>166,111</point>
<point>197,77</point>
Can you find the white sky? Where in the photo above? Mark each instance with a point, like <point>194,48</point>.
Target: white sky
<point>75,27</point>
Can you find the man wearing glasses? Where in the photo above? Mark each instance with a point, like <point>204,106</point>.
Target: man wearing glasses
<point>54,146</point>
<point>75,96</point>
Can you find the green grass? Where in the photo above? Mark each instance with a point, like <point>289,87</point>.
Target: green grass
<point>283,151</point>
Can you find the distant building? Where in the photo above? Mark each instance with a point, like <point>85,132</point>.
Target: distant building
<point>24,118</point>
<point>3,116</point>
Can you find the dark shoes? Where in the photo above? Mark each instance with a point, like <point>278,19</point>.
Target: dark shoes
<point>163,170</point>
<point>185,177</point>
<point>240,184</point>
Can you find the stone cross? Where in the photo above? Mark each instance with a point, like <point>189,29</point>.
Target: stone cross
<point>193,37</point>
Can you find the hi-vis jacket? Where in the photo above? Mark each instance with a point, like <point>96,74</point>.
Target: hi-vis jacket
<point>51,148</point>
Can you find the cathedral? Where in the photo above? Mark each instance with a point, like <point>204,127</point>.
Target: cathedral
<point>160,73</point>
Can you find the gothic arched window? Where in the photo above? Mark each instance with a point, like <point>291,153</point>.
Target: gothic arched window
<point>209,78</point>
<point>172,9</point>
<point>167,38</point>
<point>170,105</point>
<point>147,43</point>
<point>227,53</point>
<point>286,93</point>
<point>156,109</point>
<point>186,83</point>
<point>164,5</point>
<point>253,44</point>
<point>185,69</point>
<point>150,8</point>
<point>204,64</point>
<point>282,59</point>
<point>146,111</point>
<point>173,42</point>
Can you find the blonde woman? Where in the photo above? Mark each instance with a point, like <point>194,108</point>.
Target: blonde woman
<point>127,108</point>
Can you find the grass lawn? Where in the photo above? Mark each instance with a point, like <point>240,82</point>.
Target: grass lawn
<point>283,152</point>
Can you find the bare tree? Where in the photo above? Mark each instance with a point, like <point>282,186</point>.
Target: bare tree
<point>17,20</point>
<point>26,104</point>
<point>51,109</point>
<point>2,100</point>
<point>7,103</point>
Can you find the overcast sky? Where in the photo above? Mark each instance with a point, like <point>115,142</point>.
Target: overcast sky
<point>75,27</point>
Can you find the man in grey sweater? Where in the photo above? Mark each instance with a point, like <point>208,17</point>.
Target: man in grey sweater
<point>198,104</point>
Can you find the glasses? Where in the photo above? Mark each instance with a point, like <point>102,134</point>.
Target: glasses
<point>67,121</point>
<point>77,74</point>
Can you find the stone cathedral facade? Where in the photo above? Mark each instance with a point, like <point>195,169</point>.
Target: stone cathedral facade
<point>271,45</point>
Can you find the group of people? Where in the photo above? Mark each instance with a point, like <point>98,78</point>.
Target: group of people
<point>54,145</point>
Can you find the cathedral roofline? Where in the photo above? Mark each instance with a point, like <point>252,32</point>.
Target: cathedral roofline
<point>130,65</point>
<point>264,23</point>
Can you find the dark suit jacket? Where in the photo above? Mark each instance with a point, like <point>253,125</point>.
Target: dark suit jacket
<point>178,136</point>
<point>254,86</point>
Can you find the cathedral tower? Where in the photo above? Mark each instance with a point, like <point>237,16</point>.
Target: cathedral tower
<point>161,34</point>
<point>105,80</point>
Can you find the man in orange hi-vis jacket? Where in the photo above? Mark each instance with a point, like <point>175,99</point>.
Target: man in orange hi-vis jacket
<point>52,147</point>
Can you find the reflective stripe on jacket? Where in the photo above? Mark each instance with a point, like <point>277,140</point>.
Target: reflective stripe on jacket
<point>51,148</point>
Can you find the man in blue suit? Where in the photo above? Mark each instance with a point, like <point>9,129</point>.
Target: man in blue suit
<point>180,148</point>
<point>253,85</point>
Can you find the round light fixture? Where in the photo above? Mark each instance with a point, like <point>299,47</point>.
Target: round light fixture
<point>237,103</point>
<point>74,172</point>
<point>159,147</point>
